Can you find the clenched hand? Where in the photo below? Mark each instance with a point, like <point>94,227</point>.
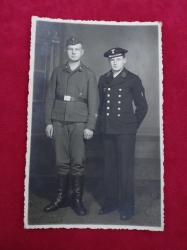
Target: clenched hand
<point>49,130</point>
<point>88,133</point>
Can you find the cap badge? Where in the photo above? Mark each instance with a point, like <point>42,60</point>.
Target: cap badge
<point>73,39</point>
<point>113,51</point>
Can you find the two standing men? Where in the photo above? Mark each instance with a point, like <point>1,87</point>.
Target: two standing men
<point>71,113</point>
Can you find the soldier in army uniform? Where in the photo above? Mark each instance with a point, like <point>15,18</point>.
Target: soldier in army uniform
<point>118,124</point>
<point>71,108</point>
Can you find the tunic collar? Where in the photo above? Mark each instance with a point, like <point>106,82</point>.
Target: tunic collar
<point>110,80</point>
<point>67,68</point>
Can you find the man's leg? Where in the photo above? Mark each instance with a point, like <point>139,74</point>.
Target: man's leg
<point>61,144</point>
<point>110,174</point>
<point>77,156</point>
<point>126,154</point>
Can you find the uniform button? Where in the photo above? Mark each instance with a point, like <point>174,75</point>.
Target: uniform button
<point>119,95</point>
<point>118,114</point>
<point>108,107</point>
<point>119,102</point>
<point>119,108</point>
<point>109,89</point>
<point>108,95</point>
<point>120,89</point>
<point>107,114</point>
<point>108,101</point>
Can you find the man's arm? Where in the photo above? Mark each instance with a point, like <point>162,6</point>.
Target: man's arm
<point>139,100</point>
<point>100,95</point>
<point>49,103</point>
<point>93,102</point>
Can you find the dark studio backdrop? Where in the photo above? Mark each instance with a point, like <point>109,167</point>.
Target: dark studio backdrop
<point>142,59</point>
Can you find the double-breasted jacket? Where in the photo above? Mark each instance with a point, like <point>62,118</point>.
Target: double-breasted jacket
<point>117,114</point>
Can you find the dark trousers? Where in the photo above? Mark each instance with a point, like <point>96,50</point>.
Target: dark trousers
<point>119,152</point>
<point>69,144</point>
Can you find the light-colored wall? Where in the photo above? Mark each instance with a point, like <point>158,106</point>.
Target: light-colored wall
<point>142,58</point>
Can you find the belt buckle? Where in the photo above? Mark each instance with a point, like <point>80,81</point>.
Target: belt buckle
<point>67,98</point>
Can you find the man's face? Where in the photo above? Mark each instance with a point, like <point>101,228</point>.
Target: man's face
<point>117,63</point>
<point>74,52</point>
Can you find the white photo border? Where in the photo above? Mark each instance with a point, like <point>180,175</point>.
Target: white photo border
<point>29,125</point>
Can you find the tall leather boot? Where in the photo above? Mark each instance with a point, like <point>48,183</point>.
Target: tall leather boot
<point>62,197</point>
<point>77,186</point>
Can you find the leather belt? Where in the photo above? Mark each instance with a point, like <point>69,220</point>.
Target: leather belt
<point>68,98</point>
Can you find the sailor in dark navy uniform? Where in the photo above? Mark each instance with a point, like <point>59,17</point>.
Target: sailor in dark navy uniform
<point>118,124</point>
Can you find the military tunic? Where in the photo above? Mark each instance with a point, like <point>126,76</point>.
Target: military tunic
<point>79,83</point>
<point>116,97</point>
<point>70,118</point>
<point>118,124</point>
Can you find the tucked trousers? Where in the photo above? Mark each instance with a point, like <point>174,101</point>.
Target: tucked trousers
<point>119,152</point>
<point>69,144</point>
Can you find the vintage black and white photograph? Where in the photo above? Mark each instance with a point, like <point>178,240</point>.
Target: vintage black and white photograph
<point>95,130</point>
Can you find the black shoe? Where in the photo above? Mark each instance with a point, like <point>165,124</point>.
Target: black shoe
<point>125,216</point>
<point>107,210</point>
<point>77,186</point>
<point>78,207</point>
<point>59,203</point>
<point>62,198</point>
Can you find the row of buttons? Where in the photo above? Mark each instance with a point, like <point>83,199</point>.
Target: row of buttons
<point>109,95</point>
<point>108,101</point>
<point>109,108</point>
<point>110,89</point>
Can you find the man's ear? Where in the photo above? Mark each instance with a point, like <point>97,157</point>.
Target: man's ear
<point>82,52</point>
<point>65,50</point>
<point>124,60</point>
